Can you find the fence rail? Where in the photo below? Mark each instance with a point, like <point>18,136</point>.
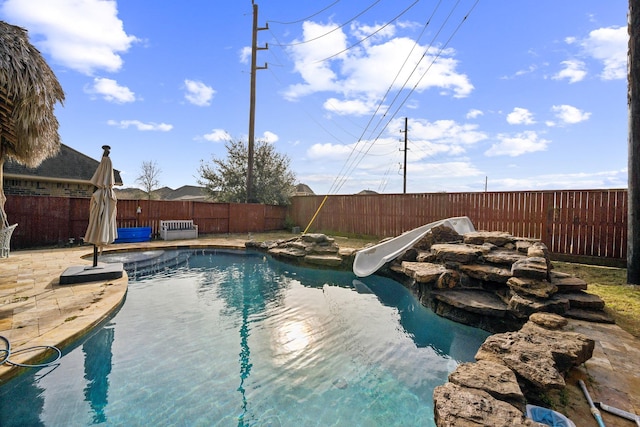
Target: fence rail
<point>44,220</point>
<point>583,223</point>
<point>587,223</point>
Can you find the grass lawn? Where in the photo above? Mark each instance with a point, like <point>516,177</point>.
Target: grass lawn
<point>622,300</point>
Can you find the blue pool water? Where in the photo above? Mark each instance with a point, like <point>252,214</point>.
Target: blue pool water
<point>223,338</point>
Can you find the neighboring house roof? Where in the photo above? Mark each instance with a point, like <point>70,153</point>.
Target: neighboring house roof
<point>186,192</point>
<point>68,165</point>
<point>367,192</point>
<point>304,190</point>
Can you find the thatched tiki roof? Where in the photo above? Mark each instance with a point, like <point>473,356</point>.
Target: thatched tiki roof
<point>29,91</point>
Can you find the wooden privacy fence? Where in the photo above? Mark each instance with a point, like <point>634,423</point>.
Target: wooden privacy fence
<point>589,223</point>
<point>44,221</point>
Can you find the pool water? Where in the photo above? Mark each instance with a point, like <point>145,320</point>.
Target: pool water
<point>224,338</point>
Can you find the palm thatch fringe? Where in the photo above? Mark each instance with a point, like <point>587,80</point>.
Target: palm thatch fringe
<point>29,91</point>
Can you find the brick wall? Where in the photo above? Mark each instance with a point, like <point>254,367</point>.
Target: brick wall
<point>18,187</point>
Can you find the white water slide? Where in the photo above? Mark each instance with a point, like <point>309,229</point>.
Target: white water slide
<point>371,259</point>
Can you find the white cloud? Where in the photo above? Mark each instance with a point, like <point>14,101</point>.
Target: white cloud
<point>365,73</point>
<point>217,135</point>
<point>356,107</point>
<point>444,132</point>
<point>609,45</point>
<point>569,114</point>
<point>84,35</point>
<point>574,71</point>
<point>198,93</point>
<point>141,126</point>
<point>602,179</point>
<point>520,116</point>
<point>270,137</point>
<point>110,90</point>
<point>245,54</point>
<point>518,144</point>
<point>474,113</point>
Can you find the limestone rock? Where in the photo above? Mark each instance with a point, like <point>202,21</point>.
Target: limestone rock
<point>425,256</point>
<point>449,252</point>
<point>549,321</point>
<point>325,260</point>
<point>523,244</point>
<point>580,299</point>
<point>537,355</point>
<point>503,257</point>
<point>448,280</point>
<point>480,302</point>
<point>538,250</point>
<point>456,406</point>
<point>589,315</point>
<point>497,238</point>
<point>316,238</point>
<point>291,252</point>
<point>494,378</point>
<point>423,272</point>
<point>347,252</point>
<point>438,234</point>
<point>534,287</point>
<point>566,282</point>
<point>324,249</point>
<point>523,307</point>
<point>531,268</point>
<point>486,273</point>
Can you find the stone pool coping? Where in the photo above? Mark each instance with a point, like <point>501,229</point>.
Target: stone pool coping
<point>36,310</point>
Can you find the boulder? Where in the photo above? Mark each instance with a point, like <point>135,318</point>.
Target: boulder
<point>288,252</point>
<point>537,355</point>
<point>581,299</point>
<point>497,238</point>
<point>324,260</point>
<point>522,307</point>
<point>423,272</point>
<point>494,378</point>
<point>503,257</point>
<point>486,273</point>
<point>549,321</point>
<point>534,287</point>
<point>531,268</point>
<point>449,252</point>
<point>316,238</point>
<point>456,406</point>
<point>474,301</point>
<point>566,282</point>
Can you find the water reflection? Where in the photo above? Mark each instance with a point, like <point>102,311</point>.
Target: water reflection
<point>97,367</point>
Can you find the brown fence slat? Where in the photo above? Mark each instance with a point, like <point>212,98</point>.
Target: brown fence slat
<point>581,222</point>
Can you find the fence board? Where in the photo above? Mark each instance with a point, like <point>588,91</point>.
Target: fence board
<point>45,221</point>
<point>575,222</point>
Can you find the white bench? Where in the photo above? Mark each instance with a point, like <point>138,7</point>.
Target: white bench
<point>178,229</point>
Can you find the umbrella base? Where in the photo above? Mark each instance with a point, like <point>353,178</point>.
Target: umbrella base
<point>82,273</point>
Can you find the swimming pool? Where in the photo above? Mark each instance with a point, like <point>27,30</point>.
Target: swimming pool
<point>234,338</point>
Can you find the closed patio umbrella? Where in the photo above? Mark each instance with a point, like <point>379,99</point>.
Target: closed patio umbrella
<point>102,215</point>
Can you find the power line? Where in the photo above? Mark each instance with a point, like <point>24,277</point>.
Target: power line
<point>333,29</point>
<point>308,17</point>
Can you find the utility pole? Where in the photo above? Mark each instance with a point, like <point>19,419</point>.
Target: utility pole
<point>404,179</point>
<point>633,212</point>
<point>252,101</point>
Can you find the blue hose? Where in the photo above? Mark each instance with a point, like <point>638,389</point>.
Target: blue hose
<point>6,353</point>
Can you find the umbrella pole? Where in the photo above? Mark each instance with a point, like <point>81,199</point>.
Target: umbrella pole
<point>95,256</point>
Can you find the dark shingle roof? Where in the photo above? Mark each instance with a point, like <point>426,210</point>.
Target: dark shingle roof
<point>68,164</point>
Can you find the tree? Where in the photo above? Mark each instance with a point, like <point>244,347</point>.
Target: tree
<point>29,91</point>
<point>225,179</point>
<point>148,178</point>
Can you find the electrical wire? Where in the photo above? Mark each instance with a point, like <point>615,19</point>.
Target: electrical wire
<point>372,34</point>
<point>333,29</point>
<point>308,17</point>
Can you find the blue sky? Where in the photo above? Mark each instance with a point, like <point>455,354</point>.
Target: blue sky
<point>520,95</point>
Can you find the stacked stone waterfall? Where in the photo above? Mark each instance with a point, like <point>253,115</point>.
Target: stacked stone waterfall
<point>492,280</point>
